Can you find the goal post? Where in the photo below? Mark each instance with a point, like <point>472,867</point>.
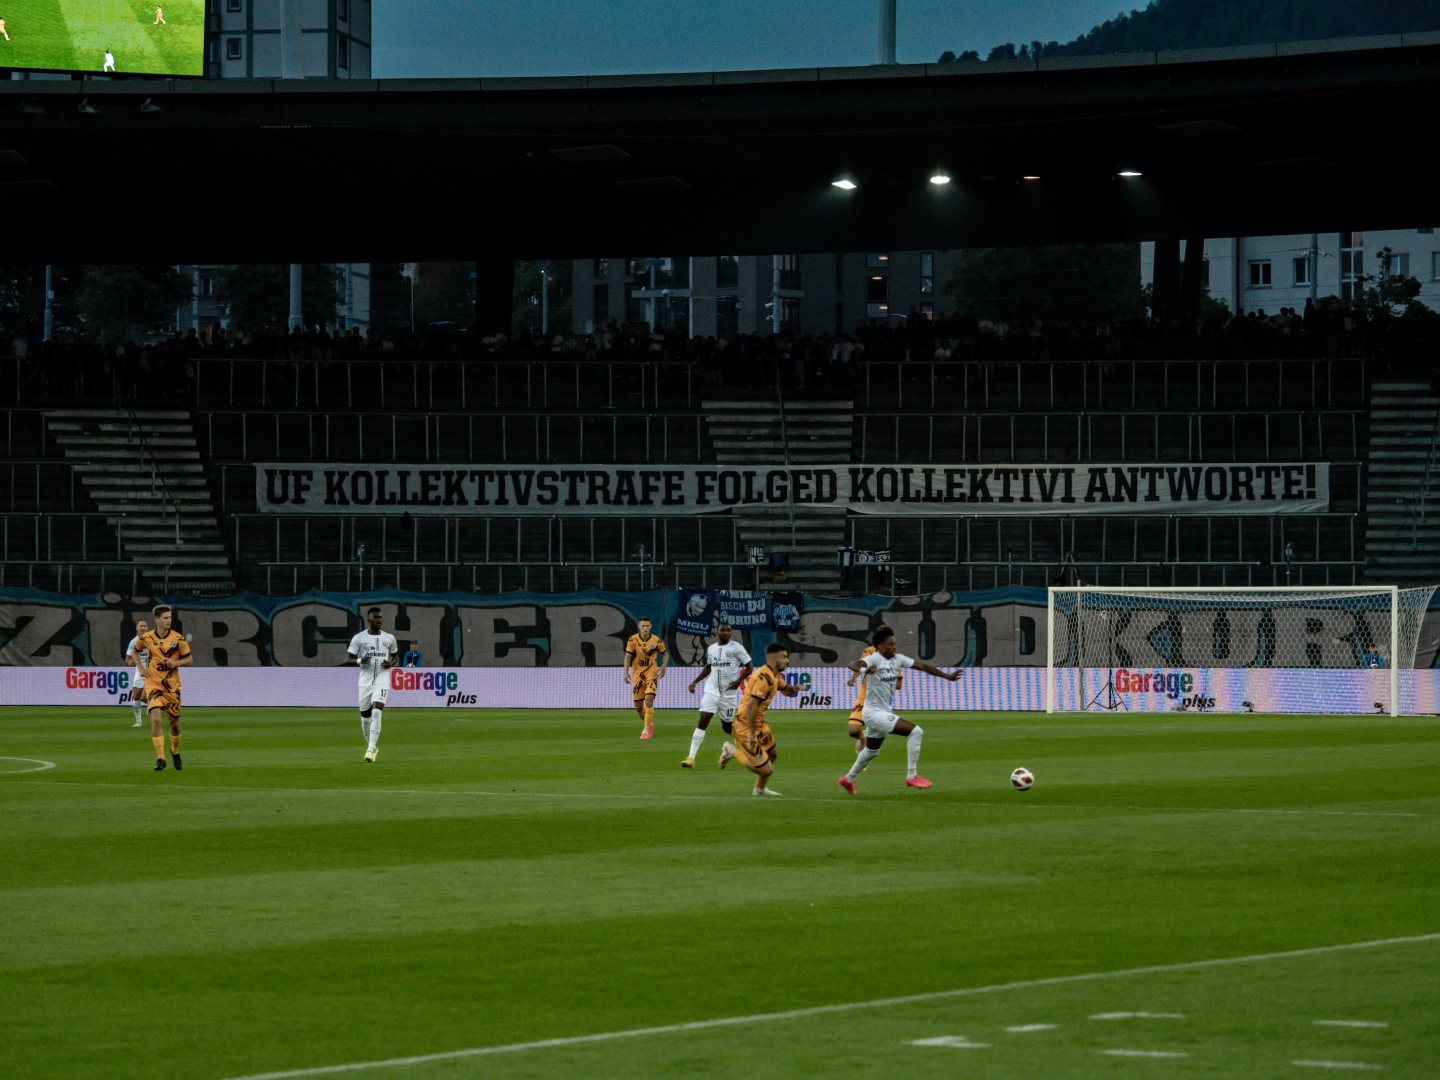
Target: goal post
<point>1246,649</point>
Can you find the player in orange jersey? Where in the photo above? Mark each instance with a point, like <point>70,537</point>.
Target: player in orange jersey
<point>645,661</point>
<point>754,744</point>
<point>166,652</point>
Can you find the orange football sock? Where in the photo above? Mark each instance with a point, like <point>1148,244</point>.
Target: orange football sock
<point>649,718</point>
<point>174,744</point>
<point>159,741</point>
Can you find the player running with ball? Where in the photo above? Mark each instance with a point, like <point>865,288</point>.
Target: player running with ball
<point>726,666</point>
<point>882,670</point>
<point>754,743</point>
<point>373,651</point>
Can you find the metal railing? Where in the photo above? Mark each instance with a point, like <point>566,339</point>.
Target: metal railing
<point>582,384</point>
<point>460,385</point>
<point>1417,515</point>
<point>155,474</point>
<point>508,577</point>
<point>1110,384</point>
<point>908,578</point>
<point>95,576</point>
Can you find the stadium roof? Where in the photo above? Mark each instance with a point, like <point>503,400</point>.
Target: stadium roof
<point>1295,137</point>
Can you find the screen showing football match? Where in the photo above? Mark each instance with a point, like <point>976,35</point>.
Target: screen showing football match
<point>102,37</point>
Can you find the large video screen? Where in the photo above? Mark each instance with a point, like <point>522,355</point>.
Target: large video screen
<point>140,37</point>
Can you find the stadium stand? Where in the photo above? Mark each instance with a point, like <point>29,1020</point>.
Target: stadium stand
<point>82,510</point>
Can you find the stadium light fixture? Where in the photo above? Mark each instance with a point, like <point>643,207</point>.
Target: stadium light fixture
<point>844,184</point>
<point>940,179</point>
<point>1130,172</point>
<point>1030,178</point>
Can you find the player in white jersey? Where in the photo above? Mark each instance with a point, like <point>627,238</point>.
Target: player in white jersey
<point>139,657</point>
<point>374,651</point>
<point>882,670</point>
<point>727,665</point>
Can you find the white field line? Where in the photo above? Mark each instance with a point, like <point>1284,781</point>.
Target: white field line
<point>658,797</point>
<point>1335,1065</point>
<point>1021,1028</point>
<point>826,1010</point>
<point>1138,1016</point>
<point>958,1042</point>
<point>38,765</point>
<point>1146,1053</point>
<point>1352,1023</point>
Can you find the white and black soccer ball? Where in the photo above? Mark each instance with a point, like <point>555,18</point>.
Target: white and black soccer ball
<point>1022,779</point>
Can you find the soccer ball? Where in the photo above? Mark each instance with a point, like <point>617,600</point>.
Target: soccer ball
<point>1021,779</point>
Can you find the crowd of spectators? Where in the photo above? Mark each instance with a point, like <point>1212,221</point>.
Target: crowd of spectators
<point>167,368</point>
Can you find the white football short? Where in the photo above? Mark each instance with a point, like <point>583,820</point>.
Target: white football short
<point>372,694</point>
<point>717,704</point>
<point>878,724</point>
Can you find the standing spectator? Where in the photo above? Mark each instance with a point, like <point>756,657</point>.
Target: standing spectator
<point>414,657</point>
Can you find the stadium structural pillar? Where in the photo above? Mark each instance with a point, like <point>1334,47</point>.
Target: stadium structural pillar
<point>884,31</point>
<point>1191,276</point>
<point>494,292</point>
<point>297,281</point>
<point>1165,300</point>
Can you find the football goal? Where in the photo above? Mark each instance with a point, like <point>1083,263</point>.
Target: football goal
<point>1289,649</point>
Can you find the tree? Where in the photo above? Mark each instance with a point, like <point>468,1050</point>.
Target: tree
<point>256,296</point>
<point>1078,283</point>
<point>1389,296</point>
<point>527,309</point>
<point>117,303</point>
<point>1196,24</point>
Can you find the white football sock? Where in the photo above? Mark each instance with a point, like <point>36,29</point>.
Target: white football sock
<point>862,759</point>
<point>375,729</point>
<point>365,728</point>
<point>696,740</point>
<point>912,752</point>
<point>139,707</point>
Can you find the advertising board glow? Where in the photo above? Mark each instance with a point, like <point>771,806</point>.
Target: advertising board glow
<point>1233,690</point>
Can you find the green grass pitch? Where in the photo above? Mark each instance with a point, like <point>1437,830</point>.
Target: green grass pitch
<point>503,878</point>
<point>75,34</point>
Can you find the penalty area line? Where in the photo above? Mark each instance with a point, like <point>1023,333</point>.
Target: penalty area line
<point>825,1010</point>
<point>36,764</point>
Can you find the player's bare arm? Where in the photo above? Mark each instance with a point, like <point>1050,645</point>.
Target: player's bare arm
<point>704,674</point>
<point>788,690</point>
<point>752,738</point>
<point>950,676</point>
<point>859,668</point>
<point>171,665</point>
<point>389,661</point>
<point>745,673</point>
<point>629,659</point>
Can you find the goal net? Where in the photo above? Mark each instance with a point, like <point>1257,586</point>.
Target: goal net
<point>1302,649</point>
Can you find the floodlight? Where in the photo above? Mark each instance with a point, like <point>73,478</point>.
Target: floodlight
<point>1029,178</point>
<point>1129,172</point>
<point>843,184</point>
<point>940,179</point>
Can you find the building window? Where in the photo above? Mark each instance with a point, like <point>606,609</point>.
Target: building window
<point>1302,270</point>
<point>1396,264</point>
<point>928,312</point>
<point>234,6</point>
<point>207,285</point>
<point>342,51</point>
<point>600,310</point>
<point>601,267</point>
<point>1259,273</point>
<point>1435,266</point>
<point>877,289</point>
<point>877,260</point>
<point>214,51</point>
<point>727,316</point>
<point>927,271</point>
<point>877,311</point>
<point>1352,264</point>
<point>342,10</point>
<point>232,48</point>
<point>789,271</point>
<point>727,272</point>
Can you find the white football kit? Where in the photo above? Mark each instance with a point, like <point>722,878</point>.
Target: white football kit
<point>881,677</point>
<point>726,662</point>
<point>144,658</point>
<point>370,651</point>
